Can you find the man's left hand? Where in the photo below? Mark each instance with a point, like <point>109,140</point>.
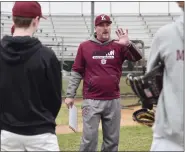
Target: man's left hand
<point>123,37</point>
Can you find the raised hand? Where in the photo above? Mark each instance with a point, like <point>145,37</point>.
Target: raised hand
<point>122,37</point>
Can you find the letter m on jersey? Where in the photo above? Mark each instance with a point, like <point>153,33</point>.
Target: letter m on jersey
<point>180,55</point>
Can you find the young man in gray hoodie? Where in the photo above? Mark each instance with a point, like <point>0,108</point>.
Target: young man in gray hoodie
<point>99,63</point>
<point>167,46</point>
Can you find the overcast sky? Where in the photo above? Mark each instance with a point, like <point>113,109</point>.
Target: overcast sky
<point>102,7</point>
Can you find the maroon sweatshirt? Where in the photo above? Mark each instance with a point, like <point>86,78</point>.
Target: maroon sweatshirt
<point>100,65</point>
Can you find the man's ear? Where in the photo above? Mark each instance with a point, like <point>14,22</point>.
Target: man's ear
<point>36,20</point>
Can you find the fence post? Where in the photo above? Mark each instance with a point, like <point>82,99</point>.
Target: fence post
<point>139,7</point>
<point>82,8</point>
<point>62,54</point>
<point>92,18</point>
<point>110,8</point>
<point>168,8</point>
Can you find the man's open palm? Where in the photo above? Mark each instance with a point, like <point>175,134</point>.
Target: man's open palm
<point>122,37</point>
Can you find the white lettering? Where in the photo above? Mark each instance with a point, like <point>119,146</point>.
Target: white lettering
<point>103,57</point>
<point>103,17</point>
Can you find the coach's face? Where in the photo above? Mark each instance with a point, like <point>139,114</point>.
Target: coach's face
<point>103,31</point>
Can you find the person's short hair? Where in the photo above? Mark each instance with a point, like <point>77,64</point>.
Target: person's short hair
<point>22,22</point>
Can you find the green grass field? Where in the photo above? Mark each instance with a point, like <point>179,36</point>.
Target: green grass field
<point>137,138</point>
<point>124,88</point>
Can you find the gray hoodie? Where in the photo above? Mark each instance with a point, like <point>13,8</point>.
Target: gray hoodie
<point>167,46</point>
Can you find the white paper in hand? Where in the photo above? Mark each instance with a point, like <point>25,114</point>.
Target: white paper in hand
<point>73,121</point>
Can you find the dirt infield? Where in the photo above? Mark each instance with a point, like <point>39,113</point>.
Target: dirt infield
<point>126,120</point>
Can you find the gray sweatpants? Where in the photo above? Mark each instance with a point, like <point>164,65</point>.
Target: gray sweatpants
<point>109,112</point>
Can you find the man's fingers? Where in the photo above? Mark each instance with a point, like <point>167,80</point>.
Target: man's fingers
<point>67,104</point>
<point>71,104</point>
<point>120,31</point>
<point>117,33</point>
<point>126,32</point>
